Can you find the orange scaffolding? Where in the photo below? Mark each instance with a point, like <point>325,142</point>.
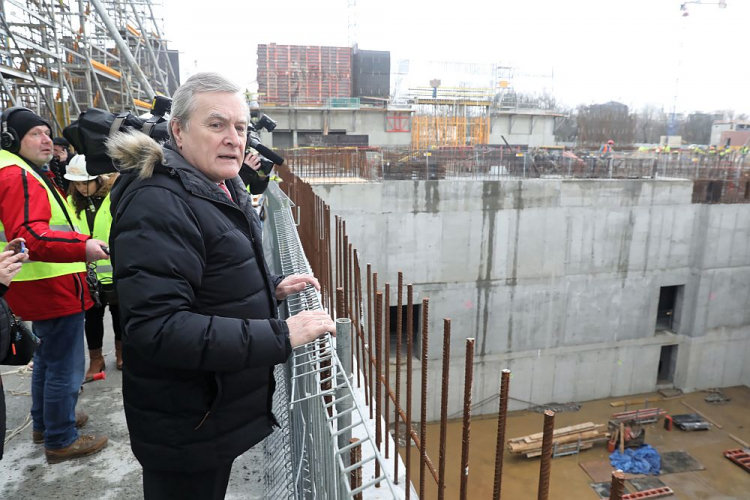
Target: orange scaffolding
<point>429,131</point>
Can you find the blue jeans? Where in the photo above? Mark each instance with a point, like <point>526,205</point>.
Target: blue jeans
<point>59,367</point>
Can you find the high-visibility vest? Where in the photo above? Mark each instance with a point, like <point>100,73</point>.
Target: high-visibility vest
<point>35,270</point>
<point>102,226</point>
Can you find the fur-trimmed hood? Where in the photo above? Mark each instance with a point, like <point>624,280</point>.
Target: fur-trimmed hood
<point>140,159</point>
<point>135,151</point>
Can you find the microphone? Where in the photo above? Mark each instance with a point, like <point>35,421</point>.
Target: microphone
<point>267,152</point>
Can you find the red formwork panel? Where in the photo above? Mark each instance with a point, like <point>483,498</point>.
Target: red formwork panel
<point>296,74</point>
<point>739,456</point>
<point>654,493</point>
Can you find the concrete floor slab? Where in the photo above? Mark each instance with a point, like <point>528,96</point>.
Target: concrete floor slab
<point>721,479</point>
<point>112,474</point>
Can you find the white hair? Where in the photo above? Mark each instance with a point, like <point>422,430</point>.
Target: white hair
<point>183,101</point>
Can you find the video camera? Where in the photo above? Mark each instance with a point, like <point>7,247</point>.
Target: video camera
<point>90,131</point>
<point>88,135</point>
<point>268,158</point>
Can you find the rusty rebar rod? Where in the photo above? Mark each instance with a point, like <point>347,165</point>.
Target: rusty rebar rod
<point>397,403</point>
<point>415,438</point>
<point>355,480</point>
<point>329,262</point>
<point>502,416</point>
<point>387,359</point>
<point>378,371</point>
<point>350,308</point>
<point>546,465</point>
<point>444,406</point>
<point>368,346</point>
<point>339,303</point>
<point>423,410</point>
<point>409,355</point>
<point>358,315</point>
<point>465,439</point>
<point>617,489</point>
<point>365,348</point>
<point>338,252</point>
<point>345,284</point>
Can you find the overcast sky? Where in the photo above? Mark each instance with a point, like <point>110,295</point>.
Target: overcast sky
<point>583,51</point>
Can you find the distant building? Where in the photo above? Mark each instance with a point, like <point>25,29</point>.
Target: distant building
<point>734,139</point>
<point>721,126</point>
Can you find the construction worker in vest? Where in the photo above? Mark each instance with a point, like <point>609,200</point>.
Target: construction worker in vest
<point>607,149</point>
<point>50,290</point>
<point>88,195</point>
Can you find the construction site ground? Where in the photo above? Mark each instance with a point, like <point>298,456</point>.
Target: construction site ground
<point>721,479</point>
<point>112,474</point>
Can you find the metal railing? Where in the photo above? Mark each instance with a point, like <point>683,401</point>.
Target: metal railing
<point>718,180</point>
<point>495,162</point>
<point>323,425</point>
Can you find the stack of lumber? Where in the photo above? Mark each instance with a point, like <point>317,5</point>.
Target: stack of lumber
<point>645,414</point>
<point>566,438</point>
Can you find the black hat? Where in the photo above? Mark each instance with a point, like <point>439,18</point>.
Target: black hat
<point>24,120</point>
<point>60,141</point>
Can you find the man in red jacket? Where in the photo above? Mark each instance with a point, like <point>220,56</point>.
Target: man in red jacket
<point>51,288</point>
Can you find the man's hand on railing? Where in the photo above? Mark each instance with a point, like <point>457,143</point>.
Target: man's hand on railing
<point>308,326</point>
<point>295,284</point>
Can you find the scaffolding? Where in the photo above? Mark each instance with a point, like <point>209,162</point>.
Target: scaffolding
<point>60,58</point>
<point>451,117</point>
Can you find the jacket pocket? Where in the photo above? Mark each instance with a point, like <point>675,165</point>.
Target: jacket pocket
<point>269,402</point>
<point>215,403</point>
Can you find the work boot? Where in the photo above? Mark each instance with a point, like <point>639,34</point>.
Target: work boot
<point>85,445</point>
<point>96,363</point>
<point>81,419</point>
<point>118,353</point>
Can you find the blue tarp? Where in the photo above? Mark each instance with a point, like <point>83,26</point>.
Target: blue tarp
<point>643,460</point>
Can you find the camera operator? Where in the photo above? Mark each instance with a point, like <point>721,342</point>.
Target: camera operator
<point>253,175</point>
<point>259,160</point>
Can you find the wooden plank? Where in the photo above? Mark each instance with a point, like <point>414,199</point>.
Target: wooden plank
<point>622,438</point>
<point>743,443</point>
<point>571,438</point>
<point>564,449</point>
<point>702,415</point>
<point>617,404</point>
<point>559,432</point>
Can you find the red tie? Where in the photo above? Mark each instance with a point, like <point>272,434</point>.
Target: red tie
<point>224,188</point>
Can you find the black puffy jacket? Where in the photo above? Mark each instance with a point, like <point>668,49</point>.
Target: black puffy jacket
<point>200,337</point>
<point>5,322</point>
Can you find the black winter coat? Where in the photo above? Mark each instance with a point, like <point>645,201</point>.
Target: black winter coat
<point>5,322</point>
<point>200,334</point>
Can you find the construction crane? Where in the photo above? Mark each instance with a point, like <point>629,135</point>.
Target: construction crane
<point>672,126</point>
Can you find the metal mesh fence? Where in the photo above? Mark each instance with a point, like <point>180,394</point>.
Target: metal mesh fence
<point>322,421</point>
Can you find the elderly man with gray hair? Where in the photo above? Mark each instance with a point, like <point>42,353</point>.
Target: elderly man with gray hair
<point>198,304</point>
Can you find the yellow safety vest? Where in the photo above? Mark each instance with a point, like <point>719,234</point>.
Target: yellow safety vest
<point>102,226</point>
<point>35,270</point>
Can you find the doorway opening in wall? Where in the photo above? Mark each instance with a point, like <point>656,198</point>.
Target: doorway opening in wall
<point>667,365</point>
<point>669,301</point>
<point>416,344</point>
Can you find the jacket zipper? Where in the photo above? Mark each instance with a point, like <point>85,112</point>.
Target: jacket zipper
<point>79,285</point>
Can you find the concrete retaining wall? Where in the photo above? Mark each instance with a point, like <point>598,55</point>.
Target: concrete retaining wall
<point>559,280</point>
